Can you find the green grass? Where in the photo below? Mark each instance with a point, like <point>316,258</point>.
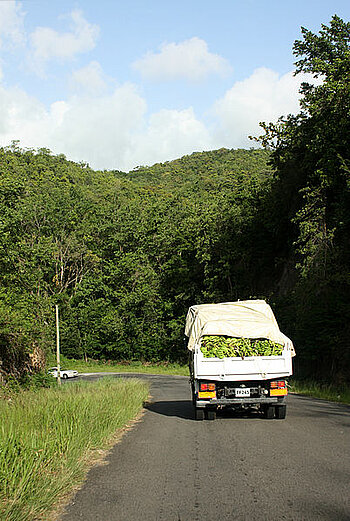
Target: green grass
<point>125,367</point>
<point>325,391</point>
<point>48,436</point>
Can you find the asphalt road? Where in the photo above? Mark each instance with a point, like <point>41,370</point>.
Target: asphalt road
<point>169,467</point>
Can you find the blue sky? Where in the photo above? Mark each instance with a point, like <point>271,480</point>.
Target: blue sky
<point>120,84</point>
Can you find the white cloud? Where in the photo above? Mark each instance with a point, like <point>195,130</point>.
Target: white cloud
<point>264,96</point>
<point>109,131</point>
<point>11,23</point>
<point>114,131</point>
<point>168,135</point>
<point>48,44</point>
<point>98,130</point>
<point>188,60</point>
<point>19,115</point>
<point>89,79</point>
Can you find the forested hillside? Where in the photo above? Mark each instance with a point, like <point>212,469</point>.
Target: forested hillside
<point>125,254</point>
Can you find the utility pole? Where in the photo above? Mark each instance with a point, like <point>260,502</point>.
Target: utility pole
<point>58,348</point>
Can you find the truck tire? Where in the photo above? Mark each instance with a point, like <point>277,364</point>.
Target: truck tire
<point>269,412</point>
<point>281,411</point>
<point>211,414</point>
<point>193,395</point>
<point>199,413</point>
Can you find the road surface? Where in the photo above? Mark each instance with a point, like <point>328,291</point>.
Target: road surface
<point>169,467</point>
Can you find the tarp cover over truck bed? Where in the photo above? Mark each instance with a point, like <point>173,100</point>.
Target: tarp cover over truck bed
<point>242,319</point>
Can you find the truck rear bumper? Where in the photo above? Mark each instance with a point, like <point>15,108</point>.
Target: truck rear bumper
<point>240,401</point>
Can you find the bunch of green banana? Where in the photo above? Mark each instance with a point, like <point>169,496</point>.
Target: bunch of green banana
<point>217,346</point>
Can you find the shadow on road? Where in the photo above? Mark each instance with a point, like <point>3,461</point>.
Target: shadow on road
<point>185,410</point>
<point>180,408</point>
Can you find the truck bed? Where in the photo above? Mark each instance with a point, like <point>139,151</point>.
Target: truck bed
<point>238,369</point>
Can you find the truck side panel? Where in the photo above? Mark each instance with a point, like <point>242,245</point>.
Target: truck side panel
<point>238,369</point>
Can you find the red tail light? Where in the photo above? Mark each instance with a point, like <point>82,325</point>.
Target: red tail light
<point>207,386</point>
<point>279,384</point>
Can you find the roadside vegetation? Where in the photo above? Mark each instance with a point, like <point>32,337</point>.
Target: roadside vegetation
<point>50,436</point>
<point>94,366</point>
<point>324,391</point>
<point>124,366</point>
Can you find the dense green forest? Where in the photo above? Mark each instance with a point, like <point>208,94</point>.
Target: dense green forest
<point>125,254</point>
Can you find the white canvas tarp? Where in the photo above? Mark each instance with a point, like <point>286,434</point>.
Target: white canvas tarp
<point>242,319</point>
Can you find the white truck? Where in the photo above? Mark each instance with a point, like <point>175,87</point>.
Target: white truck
<point>237,382</point>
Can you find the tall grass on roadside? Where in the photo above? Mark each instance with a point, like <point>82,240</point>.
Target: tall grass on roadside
<point>47,436</point>
<point>97,366</point>
<point>325,391</point>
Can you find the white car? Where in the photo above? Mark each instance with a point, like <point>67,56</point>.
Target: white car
<point>64,373</point>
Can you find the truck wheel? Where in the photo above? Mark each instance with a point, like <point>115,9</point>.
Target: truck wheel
<point>269,412</point>
<point>199,414</point>
<point>64,376</point>
<point>281,411</point>
<point>193,395</point>
<point>211,414</point>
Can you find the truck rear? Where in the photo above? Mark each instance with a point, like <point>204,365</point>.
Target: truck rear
<point>257,377</point>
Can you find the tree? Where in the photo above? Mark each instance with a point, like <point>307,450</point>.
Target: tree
<point>311,155</point>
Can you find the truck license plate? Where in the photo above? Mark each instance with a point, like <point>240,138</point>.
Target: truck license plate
<point>242,392</point>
